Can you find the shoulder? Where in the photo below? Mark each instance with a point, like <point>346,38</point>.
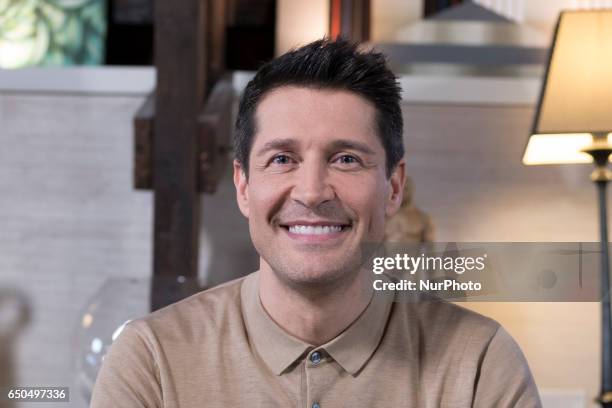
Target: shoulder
<point>152,353</point>
<point>189,318</point>
<point>442,317</point>
<point>481,353</point>
<point>443,332</point>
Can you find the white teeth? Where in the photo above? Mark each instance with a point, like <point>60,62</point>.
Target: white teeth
<point>314,230</point>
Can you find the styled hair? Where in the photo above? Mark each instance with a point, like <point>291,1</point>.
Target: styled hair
<point>327,64</point>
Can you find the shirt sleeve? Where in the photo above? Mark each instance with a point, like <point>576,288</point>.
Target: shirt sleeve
<point>129,376</point>
<point>505,379</point>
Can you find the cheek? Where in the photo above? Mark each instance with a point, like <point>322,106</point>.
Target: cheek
<point>367,199</point>
<point>265,196</point>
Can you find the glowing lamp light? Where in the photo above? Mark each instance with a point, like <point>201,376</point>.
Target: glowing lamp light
<point>573,124</point>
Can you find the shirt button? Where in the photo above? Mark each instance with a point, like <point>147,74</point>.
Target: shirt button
<point>316,359</point>
<point>315,405</point>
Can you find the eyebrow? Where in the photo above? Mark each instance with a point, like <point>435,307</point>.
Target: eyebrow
<point>290,144</point>
<point>277,144</point>
<point>351,145</point>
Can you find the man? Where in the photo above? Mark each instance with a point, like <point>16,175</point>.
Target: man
<point>319,168</point>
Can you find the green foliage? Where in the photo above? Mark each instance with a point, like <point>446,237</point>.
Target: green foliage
<point>52,32</point>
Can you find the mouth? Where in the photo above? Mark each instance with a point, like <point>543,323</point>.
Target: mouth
<point>316,231</point>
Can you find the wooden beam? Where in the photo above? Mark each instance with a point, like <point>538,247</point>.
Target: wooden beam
<point>350,19</point>
<point>217,21</point>
<point>214,130</point>
<point>180,46</point>
<point>214,127</point>
<point>143,144</point>
<point>335,18</point>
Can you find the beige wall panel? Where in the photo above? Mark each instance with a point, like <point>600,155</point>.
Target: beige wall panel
<point>300,22</point>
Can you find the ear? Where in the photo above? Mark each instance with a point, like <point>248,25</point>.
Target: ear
<point>396,188</point>
<point>242,191</point>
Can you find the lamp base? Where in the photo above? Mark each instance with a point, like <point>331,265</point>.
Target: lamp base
<point>601,176</point>
<point>605,400</point>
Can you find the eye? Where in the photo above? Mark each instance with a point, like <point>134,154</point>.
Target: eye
<point>347,161</point>
<point>281,159</point>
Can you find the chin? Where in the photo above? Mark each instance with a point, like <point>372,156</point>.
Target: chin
<point>311,266</point>
<point>321,274</point>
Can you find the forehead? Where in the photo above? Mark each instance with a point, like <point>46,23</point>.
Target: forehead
<point>313,114</point>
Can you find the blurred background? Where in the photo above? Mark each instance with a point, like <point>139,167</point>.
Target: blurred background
<point>96,230</point>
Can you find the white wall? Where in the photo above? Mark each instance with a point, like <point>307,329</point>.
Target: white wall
<point>543,14</point>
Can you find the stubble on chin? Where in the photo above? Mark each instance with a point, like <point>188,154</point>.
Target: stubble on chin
<point>313,280</point>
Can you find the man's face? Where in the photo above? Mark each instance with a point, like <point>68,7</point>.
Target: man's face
<point>317,185</point>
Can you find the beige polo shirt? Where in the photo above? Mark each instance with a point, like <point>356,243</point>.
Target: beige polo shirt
<point>220,348</point>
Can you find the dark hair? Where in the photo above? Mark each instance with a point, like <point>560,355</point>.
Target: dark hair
<point>328,64</point>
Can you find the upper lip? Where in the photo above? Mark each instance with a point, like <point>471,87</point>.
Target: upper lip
<point>315,223</point>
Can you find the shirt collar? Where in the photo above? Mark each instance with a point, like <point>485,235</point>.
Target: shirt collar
<point>351,349</point>
<point>277,348</point>
<point>354,346</point>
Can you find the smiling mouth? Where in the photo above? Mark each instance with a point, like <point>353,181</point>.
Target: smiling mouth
<point>315,229</point>
<point>316,232</point>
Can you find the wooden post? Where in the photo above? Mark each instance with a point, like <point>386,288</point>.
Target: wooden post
<point>350,19</point>
<point>182,137</point>
<point>215,33</point>
<point>180,43</point>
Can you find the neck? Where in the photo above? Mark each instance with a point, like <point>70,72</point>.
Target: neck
<point>314,316</point>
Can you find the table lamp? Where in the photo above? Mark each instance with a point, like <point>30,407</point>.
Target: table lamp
<point>573,124</point>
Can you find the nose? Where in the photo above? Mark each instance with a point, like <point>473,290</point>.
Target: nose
<point>312,187</point>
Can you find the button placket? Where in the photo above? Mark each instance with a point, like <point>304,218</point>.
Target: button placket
<point>314,379</point>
